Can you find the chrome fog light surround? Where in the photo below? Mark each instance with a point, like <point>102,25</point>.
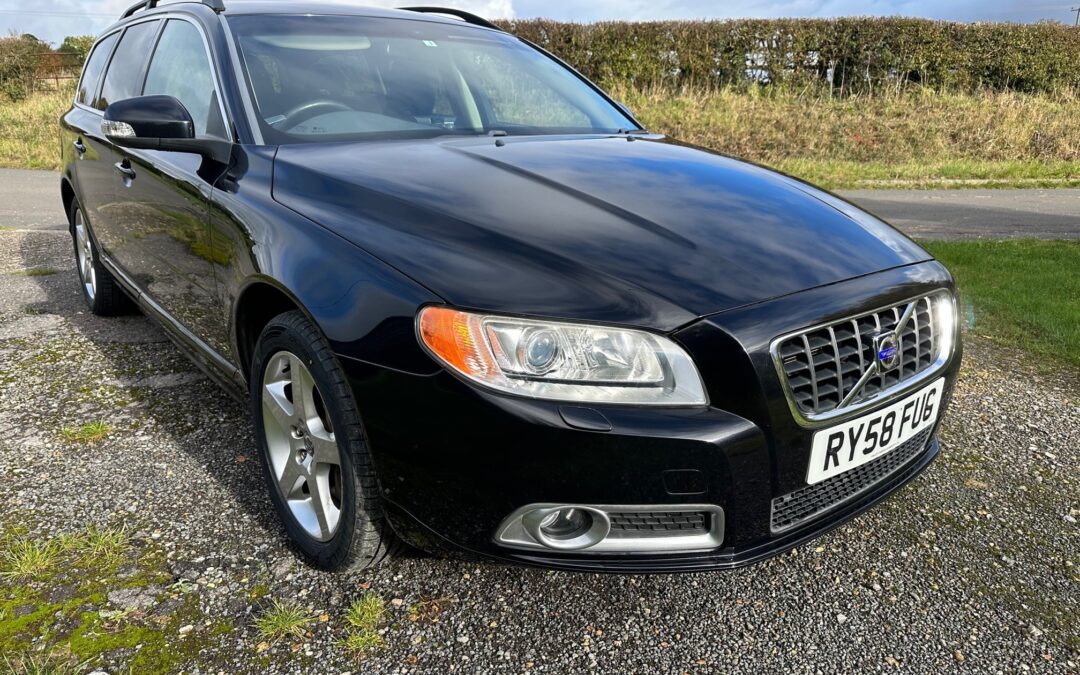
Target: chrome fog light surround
<point>525,529</point>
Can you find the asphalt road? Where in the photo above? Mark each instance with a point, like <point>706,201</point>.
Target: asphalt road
<point>976,214</point>
<point>30,200</point>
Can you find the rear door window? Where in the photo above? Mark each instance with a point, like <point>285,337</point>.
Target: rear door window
<point>124,78</point>
<point>181,69</point>
<point>91,76</point>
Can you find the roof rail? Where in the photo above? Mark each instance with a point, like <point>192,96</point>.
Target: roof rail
<point>467,17</point>
<point>216,5</point>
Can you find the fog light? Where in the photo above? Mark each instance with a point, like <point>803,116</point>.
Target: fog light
<point>566,524</point>
<point>567,528</point>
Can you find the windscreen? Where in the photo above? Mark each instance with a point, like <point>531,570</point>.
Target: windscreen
<point>334,78</point>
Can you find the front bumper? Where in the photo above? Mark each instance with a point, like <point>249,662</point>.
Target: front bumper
<point>454,461</point>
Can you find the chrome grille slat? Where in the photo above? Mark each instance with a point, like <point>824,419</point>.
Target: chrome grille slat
<point>839,355</point>
<point>813,370</point>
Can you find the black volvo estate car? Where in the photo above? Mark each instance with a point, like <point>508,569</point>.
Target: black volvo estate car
<point>476,307</point>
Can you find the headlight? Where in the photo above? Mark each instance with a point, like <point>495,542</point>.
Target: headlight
<point>562,361</point>
<point>945,312</point>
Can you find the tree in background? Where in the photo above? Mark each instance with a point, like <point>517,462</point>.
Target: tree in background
<point>77,44</point>
<point>20,57</point>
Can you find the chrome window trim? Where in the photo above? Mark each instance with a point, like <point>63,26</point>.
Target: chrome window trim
<point>146,64</point>
<point>512,534</point>
<point>240,75</point>
<point>170,16</point>
<point>97,89</point>
<point>164,17</point>
<point>839,414</point>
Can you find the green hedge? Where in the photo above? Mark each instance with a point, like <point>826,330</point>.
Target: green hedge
<point>862,55</point>
<point>20,58</point>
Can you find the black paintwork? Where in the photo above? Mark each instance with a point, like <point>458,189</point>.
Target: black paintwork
<point>721,254</point>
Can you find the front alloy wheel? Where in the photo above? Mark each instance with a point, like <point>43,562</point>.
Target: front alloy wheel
<point>316,461</point>
<point>302,448</point>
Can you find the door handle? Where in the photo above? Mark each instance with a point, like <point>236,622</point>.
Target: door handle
<point>125,170</point>
<point>79,147</point>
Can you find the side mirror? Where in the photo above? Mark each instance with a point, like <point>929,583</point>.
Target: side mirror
<point>159,123</point>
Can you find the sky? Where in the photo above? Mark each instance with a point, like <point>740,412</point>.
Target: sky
<point>51,20</point>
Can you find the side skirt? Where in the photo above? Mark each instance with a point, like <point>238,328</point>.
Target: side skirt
<point>208,360</point>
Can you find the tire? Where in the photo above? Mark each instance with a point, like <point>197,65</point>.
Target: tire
<point>329,504</point>
<point>103,294</point>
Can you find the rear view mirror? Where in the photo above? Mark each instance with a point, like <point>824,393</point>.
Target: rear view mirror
<point>159,123</point>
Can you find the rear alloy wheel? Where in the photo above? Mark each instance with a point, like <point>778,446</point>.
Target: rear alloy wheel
<point>102,293</point>
<point>315,457</point>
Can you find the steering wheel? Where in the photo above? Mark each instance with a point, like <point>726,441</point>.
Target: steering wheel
<point>306,111</point>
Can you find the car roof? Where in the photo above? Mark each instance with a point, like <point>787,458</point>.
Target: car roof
<point>239,7</point>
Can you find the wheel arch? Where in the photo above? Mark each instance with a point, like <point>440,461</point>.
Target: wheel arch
<point>260,300</point>
<point>67,195</point>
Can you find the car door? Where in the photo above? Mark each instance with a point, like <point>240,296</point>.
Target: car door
<point>123,79</point>
<point>86,153</point>
<point>163,209</point>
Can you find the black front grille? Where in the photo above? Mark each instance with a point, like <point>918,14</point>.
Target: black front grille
<point>658,523</point>
<point>823,365</point>
<point>805,503</point>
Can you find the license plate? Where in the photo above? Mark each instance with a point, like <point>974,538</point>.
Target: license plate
<point>864,439</point>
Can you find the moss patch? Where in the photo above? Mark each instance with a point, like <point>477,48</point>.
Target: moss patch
<point>35,272</point>
<point>62,608</point>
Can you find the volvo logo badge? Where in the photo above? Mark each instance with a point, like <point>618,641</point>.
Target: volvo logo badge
<point>888,354</point>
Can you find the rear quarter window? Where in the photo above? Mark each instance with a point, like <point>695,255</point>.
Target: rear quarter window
<point>124,78</point>
<point>91,76</point>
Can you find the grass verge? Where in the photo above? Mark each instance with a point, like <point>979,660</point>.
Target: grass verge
<point>30,130</point>
<point>917,139</point>
<point>1025,293</point>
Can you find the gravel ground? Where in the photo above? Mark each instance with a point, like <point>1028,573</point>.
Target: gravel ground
<point>973,567</point>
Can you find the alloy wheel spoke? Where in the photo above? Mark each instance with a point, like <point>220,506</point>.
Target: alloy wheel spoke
<point>326,448</point>
<point>289,475</point>
<point>279,408</point>
<point>303,390</point>
<point>320,503</point>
